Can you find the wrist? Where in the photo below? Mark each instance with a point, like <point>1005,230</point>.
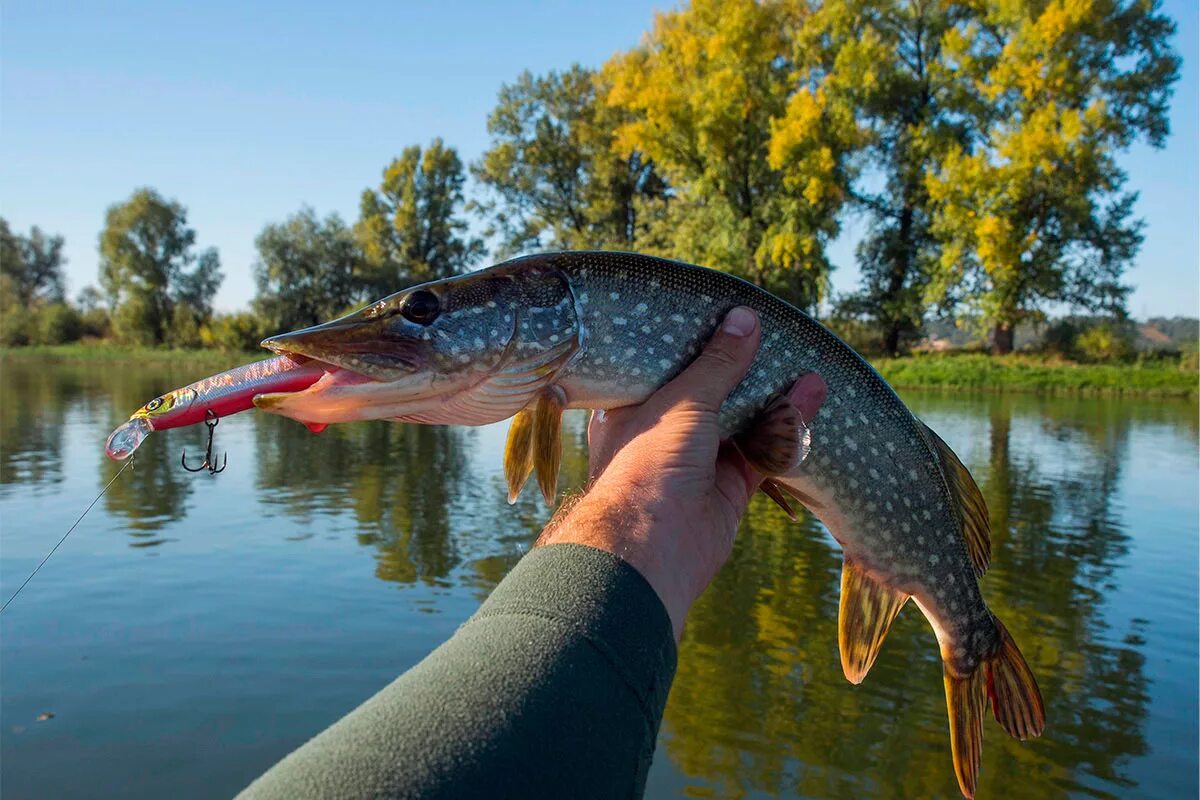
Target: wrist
<point>622,524</point>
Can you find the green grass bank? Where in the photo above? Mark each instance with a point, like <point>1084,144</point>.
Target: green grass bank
<point>950,372</point>
<point>1038,374</point>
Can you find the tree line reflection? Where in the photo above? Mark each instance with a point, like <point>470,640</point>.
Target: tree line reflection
<point>759,703</point>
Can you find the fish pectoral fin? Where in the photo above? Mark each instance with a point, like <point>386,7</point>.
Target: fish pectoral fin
<point>969,503</point>
<point>777,440</point>
<point>965,700</point>
<point>518,452</point>
<point>865,614</point>
<point>547,442</point>
<point>776,492</point>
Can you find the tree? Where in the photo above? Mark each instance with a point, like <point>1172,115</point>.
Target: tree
<point>558,179</point>
<point>886,63</point>
<point>307,270</point>
<point>31,267</point>
<point>1036,213</point>
<point>410,230</point>
<point>706,93</point>
<point>149,269</point>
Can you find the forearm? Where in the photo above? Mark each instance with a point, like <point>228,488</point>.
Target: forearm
<point>555,687</point>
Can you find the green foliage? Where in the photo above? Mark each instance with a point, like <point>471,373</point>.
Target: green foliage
<point>238,332</point>
<point>886,64</point>
<point>1109,341</point>
<point>557,177</point>
<point>1022,373</point>
<point>409,229</point>
<point>147,267</point>
<point>18,325</point>
<point>58,323</point>
<point>753,155</point>
<point>308,271</point>
<point>31,267</point>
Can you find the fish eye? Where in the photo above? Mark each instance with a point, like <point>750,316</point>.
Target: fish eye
<point>154,404</point>
<point>421,307</point>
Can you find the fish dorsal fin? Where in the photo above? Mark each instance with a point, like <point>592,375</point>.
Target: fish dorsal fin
<point>968,502</point>
<point>776,440</point>
<point>535,443</point>
<point>864,617</point>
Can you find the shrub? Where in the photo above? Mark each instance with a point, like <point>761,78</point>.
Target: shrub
<point>58,323</point>
<point>1108,341</point>
<point>17,326</point>
<point>240,331</point>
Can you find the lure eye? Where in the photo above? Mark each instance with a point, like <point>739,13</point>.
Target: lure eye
<point>421,307</point>
<point>154,404</point>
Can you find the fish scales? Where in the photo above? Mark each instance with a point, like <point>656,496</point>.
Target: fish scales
<point>644,319</point>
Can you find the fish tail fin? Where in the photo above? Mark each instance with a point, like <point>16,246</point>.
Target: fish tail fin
<point>1016,699</point>
<point>966,698</point>
<point>1006,680</point>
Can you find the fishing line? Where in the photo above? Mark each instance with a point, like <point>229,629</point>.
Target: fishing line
<point>128,464</point>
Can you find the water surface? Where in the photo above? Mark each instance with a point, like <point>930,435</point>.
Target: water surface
<point>195,629</point>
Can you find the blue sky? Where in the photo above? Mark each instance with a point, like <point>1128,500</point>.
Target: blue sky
<point>246,111</point>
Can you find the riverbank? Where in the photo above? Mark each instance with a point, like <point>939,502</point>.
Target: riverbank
<point>1038,375</point>
<point>948,372</point>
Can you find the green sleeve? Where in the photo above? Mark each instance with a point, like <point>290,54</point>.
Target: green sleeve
<point>554,688</point>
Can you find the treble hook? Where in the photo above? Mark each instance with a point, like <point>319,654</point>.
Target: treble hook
<point>210,420</point>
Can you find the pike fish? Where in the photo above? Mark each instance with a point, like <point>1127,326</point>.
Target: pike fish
<point>600,330</point>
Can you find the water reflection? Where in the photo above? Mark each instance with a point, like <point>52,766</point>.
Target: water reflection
<point>761,706</point>
<point>759,703</point>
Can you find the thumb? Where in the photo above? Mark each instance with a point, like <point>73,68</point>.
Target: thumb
<point>721,365</point>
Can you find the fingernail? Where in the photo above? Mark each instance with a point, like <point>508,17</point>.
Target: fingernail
<point>739,322</point>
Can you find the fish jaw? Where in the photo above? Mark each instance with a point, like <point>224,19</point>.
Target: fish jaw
<point>346,396</point>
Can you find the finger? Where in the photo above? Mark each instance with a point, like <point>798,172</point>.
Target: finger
<point>735,480</point>
<point>720,366</point>
<point>807,394</point>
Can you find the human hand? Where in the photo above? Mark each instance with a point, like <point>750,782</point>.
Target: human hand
<point>666,494</point>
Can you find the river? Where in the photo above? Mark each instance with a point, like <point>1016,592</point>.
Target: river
<point>196,628</point>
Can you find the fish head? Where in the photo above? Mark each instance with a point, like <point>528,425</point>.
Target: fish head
<point>413,352</point>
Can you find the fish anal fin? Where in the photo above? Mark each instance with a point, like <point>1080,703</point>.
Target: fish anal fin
<point>518,452</point>
<point>865,614</point>
<point>547,442</point>
<point>965,701</point>
<point>969,502</point>
<point>776,440</point>
<point>1016,700</point>
<point>775,491</point>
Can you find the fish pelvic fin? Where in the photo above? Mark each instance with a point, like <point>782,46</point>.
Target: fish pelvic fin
<point>1016,700</point>
<point>778,492</point>
<point>547,442</point>
<point>518,452</point>
<point>968,502</point>
<point>865,615</point>
<point>966,698</point>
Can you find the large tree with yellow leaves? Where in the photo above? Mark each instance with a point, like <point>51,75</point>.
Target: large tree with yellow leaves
<point>1034,211</point>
